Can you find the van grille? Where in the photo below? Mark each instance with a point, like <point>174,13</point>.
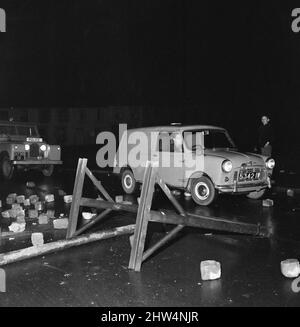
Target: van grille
<point>34,150</point>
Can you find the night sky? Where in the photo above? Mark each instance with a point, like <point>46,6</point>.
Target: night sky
<point>230,61</point>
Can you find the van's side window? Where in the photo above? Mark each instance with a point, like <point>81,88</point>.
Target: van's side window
<point>165,142</point>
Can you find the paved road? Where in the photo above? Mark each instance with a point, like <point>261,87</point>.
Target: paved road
<point>97,274</point>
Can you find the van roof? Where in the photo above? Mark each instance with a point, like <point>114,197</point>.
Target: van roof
<point>174,128</point>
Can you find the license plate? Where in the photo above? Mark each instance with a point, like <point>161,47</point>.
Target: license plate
<point>248,175</point>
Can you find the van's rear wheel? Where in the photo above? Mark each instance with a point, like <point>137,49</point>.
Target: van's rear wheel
<point>6,166</point>
<point>256,195</point>
<point>48,170</point>
<point>129,183</point>
<point>203,191</point>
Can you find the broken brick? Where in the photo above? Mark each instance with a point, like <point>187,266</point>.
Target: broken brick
<point>68,198</point>
<point>210,269</point>
<point>43,219</point>
<point>17,227</point>
<point>119,198</point>
<point>61,223</point>
<point>15,206</point>
<point>33,199</point>
<point>290,268</point>
<point>10,200</point>
<point>27,202</point>
<point>20,199</point>
<point>37,239</point>
<point>38,206</point>
<point>49,198</point>
<point>6,214</point>
<point>33,214</point>
<point>268,203</point>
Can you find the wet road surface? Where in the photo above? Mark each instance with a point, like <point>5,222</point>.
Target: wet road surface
<point>97,274</point>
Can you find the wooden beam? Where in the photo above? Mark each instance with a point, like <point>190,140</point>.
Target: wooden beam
<point>34,251</point>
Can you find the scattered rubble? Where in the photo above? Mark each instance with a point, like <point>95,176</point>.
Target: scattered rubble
<point>15,206</point>
<point>10,200</point>
<point>88,215</point>
<point>20,199</point>
<point>37,239</point>
<point>68,198</point>
<point>268,203</point>
<point>43,219</point>
<point>210,269</point>
<point>17,227</point>
<point>61,223</point>
<point>21,219</point>
<point>49,198</point>
<point>33,199</point>
<point>26,202</point>
<point>33,214</point>
<point>38,206</point>
<point>30,184</point>
<point>50,213</point>
<point>5,214</point>
<point>290,268</point>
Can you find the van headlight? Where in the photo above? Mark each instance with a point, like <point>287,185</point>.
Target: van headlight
<point>270,163</point>
<point>27,147</point>
<point>43,147</point>
<point>227,166</point>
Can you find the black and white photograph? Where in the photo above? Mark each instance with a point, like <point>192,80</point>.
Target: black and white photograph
<point>149,157</point>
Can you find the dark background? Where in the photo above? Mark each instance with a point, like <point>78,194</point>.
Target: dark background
<point>201,62</point>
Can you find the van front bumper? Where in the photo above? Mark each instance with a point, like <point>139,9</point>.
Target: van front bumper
<point>244,188</point>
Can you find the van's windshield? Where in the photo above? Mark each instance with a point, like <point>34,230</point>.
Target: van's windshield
<point>208,139</point>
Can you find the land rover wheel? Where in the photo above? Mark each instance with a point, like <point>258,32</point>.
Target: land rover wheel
<point>203,191</point>
<point>48,170</point>
<point>6,166</point>
<point>256,195</point>
<point>129,184</point>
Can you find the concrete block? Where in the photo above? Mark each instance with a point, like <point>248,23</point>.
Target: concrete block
<point>33,198</point>
<point>37,239</point>
<point>17,227</point>
<point>10,200</point>
<point>210,269</point>
<point>20,198</point>
<point>21,219</point>
<point>12,195</point>
<point>290,268</point>
<point>88,215</point>
<point>268,203</point>
<point>13,213</point>
<point>50,214</point>
<point>61,223</point>
<point>290,192</point>
<point>68,198</point>
<point>30,184</point>
<point>26,202</point>
<point>43,219</point>
<point>6,214</point>
<point>119,198</point>
<point>33,214</point>
<point>49,198</point>
<point>38,206</point>
<point>16,206</point>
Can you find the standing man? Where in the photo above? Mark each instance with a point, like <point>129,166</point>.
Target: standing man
<point>265,136</point>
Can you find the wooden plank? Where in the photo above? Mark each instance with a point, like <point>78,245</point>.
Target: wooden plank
<point>77,193</point>
<point>140,233</point>
<point>98,185</point>
<point>34,251</point>
<point>92,222</point>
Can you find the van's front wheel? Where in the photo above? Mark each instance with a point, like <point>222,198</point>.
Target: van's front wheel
<point>203,191</point>
<point>129,183</point>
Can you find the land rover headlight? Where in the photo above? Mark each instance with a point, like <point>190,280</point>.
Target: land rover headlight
<point>43,147</point>
<point>227,166</point>
<point>27,147</point>
<point>270,163</point>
